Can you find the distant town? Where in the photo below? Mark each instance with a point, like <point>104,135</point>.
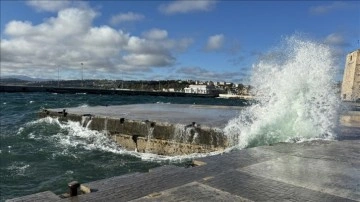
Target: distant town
<point>225,89</point>
<point>348,89</point>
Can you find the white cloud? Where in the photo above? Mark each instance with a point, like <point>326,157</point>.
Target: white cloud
<point>51,6</point>
<point>323,9</point>
<point>198,73</point>
<point>215,42</point>
<point>335,39</point>
<point>185,6</point>
<point>126,17</point>
<point>155,34</point>
<point>70,38</point>
<point>148,60</point>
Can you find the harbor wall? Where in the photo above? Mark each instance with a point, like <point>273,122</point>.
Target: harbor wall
<point>148,136</point>
<point>25,89</point>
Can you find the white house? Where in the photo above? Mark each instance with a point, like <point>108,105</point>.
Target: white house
<point>199,89</point>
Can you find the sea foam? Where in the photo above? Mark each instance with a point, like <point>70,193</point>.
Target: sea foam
<point>296,97</point>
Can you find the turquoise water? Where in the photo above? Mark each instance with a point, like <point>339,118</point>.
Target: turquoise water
<point>32,158</point>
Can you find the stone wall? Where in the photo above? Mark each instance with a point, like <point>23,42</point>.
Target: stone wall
<point>151,137</point>
<point>350,89</point>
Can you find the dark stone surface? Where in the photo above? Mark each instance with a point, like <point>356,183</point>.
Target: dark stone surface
<point>308,171</point>
<point>42,196</point>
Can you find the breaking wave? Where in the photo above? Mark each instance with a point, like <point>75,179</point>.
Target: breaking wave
<point>296,97</point>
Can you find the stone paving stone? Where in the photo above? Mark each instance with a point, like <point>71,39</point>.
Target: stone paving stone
<point>192,192</point>
<point>341,179</point>
<point>42,196</point>
<point>142,185</point>
<point>117,181</point>
<point>109,182</point>
<point>245,157</point>
<point>261,189</point>
<point>345,151</point>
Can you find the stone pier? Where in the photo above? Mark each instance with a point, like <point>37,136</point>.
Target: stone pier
<point>165,129</point>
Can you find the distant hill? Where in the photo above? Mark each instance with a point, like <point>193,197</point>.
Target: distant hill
<point>20,78</point>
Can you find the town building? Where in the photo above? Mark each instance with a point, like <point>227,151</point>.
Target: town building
<point>200,89</point>
<point>350,89</point>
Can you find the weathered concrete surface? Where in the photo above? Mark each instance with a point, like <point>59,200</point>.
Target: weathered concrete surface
<point>167,129</point>
<point>215,116</point>
<point>308,171</point>
<point>42,196</point>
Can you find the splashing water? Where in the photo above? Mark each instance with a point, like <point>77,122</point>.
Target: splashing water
<point>296,95</point>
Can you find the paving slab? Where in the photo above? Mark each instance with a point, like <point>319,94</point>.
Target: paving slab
<point>258,188</point>
<point>192,192</point>
<point>42,196</point>
<point>336,178</point>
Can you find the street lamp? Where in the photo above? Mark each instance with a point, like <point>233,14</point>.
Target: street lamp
<point>82,74</point>
<point>58,76</point>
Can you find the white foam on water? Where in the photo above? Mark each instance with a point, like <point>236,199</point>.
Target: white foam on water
<point>20,130</point>
<point>296,94</point>
<point>69,172</point>
<point>18,168</point>
<point>48,120</point>
<point>159,102</point>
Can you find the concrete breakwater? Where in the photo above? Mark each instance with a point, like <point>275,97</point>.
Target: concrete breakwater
<point>165,129</point>
<point>26,89</point>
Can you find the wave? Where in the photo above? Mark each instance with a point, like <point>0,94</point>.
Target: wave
<point>296,97</point>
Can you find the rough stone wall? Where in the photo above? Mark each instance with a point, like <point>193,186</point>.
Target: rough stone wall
<point>151,137</point>
<point>350,90</point>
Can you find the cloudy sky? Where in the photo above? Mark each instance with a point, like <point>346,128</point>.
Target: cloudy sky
<point>153,40</point>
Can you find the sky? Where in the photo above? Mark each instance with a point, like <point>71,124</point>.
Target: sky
<point>161,40</point>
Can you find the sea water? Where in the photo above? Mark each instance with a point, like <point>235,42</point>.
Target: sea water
<point>45,154</point>
<point>296,92</point>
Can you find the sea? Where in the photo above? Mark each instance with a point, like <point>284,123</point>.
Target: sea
<point>296,100</point>
<point>37,155</point>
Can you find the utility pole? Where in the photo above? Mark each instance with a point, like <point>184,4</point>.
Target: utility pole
<point>82,74</point>
<point>58,76</point>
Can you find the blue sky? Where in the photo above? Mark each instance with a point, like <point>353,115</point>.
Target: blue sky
<point>152,40</point>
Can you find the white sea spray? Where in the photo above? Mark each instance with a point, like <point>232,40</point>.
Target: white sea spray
<point>296,97</point>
